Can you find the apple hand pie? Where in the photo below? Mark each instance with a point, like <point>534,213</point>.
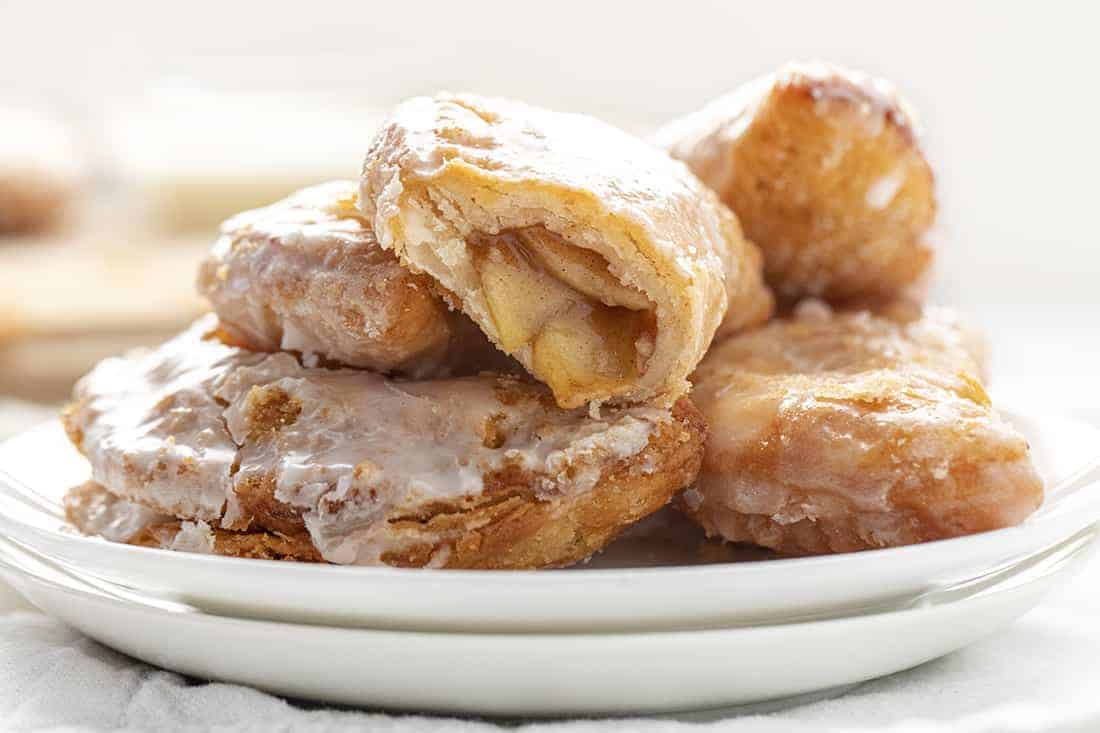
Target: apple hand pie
<point>306,274</point>
<point>823,168</point>
<point>361,469</point>
<point>839,432</point>
<point>602,265</point>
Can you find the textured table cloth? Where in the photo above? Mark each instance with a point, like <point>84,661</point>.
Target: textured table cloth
<point>1043,673</point>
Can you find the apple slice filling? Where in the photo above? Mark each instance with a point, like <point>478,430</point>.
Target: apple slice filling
<point>588,332</point>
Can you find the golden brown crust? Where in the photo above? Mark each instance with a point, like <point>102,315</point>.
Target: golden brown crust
<point>257,545</point>
<point>832,433</point>
<point>507,527</point>
<point>823,169</point>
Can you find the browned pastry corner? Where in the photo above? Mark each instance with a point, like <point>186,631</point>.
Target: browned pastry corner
<point>95,511</point>
<point>850,431</point>
<point>823,167</point>
<point>53,328</point>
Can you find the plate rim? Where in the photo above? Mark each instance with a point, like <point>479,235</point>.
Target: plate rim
<point>1080,555</point>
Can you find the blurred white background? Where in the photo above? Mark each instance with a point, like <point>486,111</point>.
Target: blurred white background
<point>1005,91</point>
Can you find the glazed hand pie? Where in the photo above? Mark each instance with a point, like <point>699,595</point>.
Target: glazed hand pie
<point>306,274</point>
<point>235,449</point>
<point>602,265</point>
<point>838,432</point>
<point>823,168</point>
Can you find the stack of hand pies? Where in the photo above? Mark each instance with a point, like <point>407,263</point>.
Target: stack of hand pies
<point>482,354</point>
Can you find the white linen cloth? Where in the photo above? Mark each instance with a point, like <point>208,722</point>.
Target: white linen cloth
<point>1043,673</point>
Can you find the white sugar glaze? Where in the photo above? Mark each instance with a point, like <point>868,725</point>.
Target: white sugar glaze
<point>181,428</point>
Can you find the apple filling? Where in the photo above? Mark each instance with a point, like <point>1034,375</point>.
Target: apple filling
<point>589,333</point>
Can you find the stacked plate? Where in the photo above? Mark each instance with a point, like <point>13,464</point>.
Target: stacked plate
<point>647,626</point>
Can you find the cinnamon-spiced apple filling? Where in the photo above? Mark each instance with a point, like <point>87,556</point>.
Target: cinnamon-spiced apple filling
<point>588,333</point>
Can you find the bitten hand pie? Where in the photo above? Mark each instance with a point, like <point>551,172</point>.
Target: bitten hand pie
<point>306,274</point>
<point>831,433</point>
<point>602,265</point>
<point>476,472</point>
<point>823,168</point>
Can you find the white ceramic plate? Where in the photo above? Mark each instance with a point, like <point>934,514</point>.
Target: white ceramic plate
<point>544,674</point>
<point>613,593</point>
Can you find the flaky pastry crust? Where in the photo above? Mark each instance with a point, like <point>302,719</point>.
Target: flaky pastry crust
<point>839,432</point>
<point>823,168</point>
<point>603,266</point>
<point>477,472</point>
<point>95,511</point>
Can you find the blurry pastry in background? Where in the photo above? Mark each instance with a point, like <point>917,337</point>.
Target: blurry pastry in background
<point>64,305</point>
<point>43,367</point>
<point>32,199</point>
<point>479,472</point>
<point>40,173</point>
<point>825,171</point>
<point>833,432</point>
<point>306,274</point>
<point>599,263</point>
